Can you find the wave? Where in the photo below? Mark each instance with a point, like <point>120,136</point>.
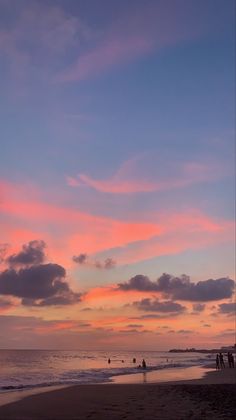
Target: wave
<point>91,376</point>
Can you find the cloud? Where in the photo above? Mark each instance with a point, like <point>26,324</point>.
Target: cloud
<point>3,251</point>
<point>128,241</point>
<point>51,32</point>
<point>227,308</point>
<point>138,282</point>
<point>135,33</point>
<point>31,254</point>
<point>109,53</point>
<point>157,306</point>
<point>184,331</point>
<point>80,259</point>
<point>83,259</point>
<point>138,175</point>
<point>181,288</point>
<point>134,326</point>
<point>5,305</point>
<point>198,307</point>
<point>60,299</point>
<point>36,284</point>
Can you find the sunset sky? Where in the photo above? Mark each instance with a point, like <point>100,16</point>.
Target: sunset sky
<point>117,174</point>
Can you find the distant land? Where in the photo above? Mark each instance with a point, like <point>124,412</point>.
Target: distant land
<point>193,350</point>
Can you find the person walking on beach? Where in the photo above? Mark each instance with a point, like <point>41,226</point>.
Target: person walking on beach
<point>230,359</point>
<point>217,362</point>
<point>109,361</point>
<point>144,364</point>
<point>222,363</point>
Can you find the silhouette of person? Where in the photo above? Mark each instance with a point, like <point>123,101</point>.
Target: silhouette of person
<point>229,359</point>
<point>144,364</point>
<point>109,360</point>
<point>232,360</point>
<point>217,362</point>
<point>222,363</point>
<point>134,360</point>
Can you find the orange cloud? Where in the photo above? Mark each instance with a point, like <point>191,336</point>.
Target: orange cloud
<point>68,231</point>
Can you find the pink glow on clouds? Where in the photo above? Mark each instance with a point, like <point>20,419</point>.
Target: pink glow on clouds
<point>127,179</point>
<point>68,231</point>
<point>133,35</point>
<point>112,52</point>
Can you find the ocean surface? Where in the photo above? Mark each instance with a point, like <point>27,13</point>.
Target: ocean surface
<point>28,369</point>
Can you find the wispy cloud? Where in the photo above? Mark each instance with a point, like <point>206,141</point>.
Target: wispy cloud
<point>137,175</point>
<point>133,35</point>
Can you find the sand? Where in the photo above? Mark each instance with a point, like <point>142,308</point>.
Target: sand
<point>212,397</point>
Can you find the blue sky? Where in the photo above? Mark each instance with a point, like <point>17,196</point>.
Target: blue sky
<point>117,136</point>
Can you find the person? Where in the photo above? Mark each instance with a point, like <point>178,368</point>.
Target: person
<point>229,359</point>
<point>144,364</point>
<point>109,360</point>
<point>222,363</point>
<point>217,362</point>
<point>232,360</point>
<point>134,360</point>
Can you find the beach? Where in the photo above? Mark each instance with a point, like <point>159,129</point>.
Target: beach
<point>210,397</point>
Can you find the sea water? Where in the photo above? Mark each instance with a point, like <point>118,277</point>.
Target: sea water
<point>28,369</point>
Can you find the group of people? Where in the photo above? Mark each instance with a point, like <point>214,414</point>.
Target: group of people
<point>143,365</point>
<point>220,364</point>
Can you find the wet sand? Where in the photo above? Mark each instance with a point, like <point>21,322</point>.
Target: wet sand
<point>212,397</point>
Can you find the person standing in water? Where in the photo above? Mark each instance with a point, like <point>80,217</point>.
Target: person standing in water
<point>144,364</point>
<point>217,362</point>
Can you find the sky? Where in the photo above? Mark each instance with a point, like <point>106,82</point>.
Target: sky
<point>117,174</point>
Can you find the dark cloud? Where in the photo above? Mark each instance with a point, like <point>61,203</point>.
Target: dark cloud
<point>138,282</point>
<point>207,325</point>
<point>31,254</point>
<point>109,263</point>
<point>83,259</point>
<point>227,308</point>
<point>67,298</point>
<point>44,282</point>
<point>157,306</point>
<point>181,288</point>
<point>80,259</point>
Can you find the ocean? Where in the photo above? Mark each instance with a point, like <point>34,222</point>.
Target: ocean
<point>28,369</point>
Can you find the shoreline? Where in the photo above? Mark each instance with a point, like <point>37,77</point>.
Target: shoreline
<point>138,377</point>
<point>211,396</point>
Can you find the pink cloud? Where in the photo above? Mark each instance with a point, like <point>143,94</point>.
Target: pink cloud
<point>134,34</point>
<point>68,231</point>
<point>133,177</point>
<point>105,56</point>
